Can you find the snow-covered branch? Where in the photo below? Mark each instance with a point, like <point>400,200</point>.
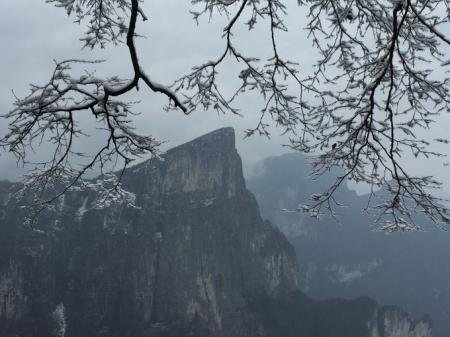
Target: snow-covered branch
<point>374,86</point>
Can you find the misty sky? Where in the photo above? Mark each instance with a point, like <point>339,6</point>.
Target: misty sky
<point>34,33</point>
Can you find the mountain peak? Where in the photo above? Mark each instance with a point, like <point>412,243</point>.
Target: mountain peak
<point>219,140</point>
<point>209,164</point>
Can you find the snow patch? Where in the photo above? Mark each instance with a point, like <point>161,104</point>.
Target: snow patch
<point>345,274</point>
<point>83,209</point>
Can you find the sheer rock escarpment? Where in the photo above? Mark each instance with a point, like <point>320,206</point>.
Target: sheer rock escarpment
<point>187,254</point>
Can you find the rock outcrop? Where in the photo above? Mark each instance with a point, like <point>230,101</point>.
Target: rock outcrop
<point>392,322</point>
<point>185,254</point>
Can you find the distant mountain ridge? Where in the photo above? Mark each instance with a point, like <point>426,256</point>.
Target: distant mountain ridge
<point>348,259</point>
<point>190,256</point>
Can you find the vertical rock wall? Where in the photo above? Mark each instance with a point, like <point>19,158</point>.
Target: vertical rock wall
<point>190,257</point>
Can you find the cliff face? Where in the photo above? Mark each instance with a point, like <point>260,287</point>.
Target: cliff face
<point>181,263</point>
<point>190,256</point>
<point>392,322</point>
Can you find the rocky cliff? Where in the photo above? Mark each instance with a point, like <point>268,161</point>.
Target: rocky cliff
<point>189,255</point>
<point>390,321</point>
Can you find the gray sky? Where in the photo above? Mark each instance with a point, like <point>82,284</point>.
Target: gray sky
<point>34,33</point>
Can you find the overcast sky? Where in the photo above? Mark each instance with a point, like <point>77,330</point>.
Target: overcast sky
<point>34,33</point>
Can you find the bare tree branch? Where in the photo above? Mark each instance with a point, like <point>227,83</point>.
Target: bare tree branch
<point>375,85</point>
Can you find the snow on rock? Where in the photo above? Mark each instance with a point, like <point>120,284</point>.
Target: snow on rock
<point>83,209</point>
